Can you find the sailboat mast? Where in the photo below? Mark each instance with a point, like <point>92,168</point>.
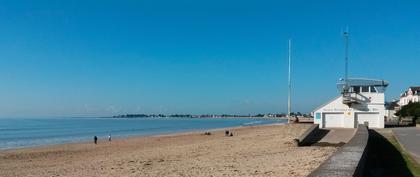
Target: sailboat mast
<point>289,83</point>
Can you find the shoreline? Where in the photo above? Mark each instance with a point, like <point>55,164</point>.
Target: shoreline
<point>187,132</point>
<point>264,150</point>
<point>135,137</point>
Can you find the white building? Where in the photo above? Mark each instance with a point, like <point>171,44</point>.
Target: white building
<point>390,109</point>
<point>362,101</point>
<point>411,95</point>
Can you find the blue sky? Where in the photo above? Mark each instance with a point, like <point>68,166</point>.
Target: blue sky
<point>95,58</point>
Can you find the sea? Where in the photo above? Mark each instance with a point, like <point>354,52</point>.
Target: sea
<point>31,132</point>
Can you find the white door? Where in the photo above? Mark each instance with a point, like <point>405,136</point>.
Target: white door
<point>371,118</point>
<point>333,120</point>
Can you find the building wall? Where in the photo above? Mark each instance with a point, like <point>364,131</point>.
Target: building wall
<point>391,115</point>
<point>374,103</point>
<point>409,98</point>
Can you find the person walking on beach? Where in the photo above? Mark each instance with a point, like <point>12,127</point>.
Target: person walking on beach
<point>95,139</point>
<point>109,137</point>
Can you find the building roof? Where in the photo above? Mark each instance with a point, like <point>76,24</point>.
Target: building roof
<point>415,90</point>
<point>380,85</point>
<point>391,105</point>
<point>364,82</point>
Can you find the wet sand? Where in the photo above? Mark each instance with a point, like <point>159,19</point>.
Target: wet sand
<point>252,151</point>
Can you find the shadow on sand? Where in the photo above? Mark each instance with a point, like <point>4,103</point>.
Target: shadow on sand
<point>320,133</point>
<point>384,160</point>
<point>315,138</point>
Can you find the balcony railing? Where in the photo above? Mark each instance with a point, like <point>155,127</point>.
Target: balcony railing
<point>352,98</point>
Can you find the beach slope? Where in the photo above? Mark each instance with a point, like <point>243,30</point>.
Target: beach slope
<point>251,151</point>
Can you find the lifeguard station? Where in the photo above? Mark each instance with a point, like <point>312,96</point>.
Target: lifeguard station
<point>361,101</point>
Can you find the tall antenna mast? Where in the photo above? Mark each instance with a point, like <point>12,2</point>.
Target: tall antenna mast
<point>290,84</point>
<point>346,60</point>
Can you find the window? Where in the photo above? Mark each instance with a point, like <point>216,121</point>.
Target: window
<point>372,89</point>
<point>356,89</point>
<point>318,115</point>
<point>365,89</point>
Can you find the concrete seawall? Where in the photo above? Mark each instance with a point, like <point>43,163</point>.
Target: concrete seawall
<point>307,138</point>
<point>349,160</point>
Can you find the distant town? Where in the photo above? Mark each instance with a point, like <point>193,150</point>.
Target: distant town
<point>269,115</point>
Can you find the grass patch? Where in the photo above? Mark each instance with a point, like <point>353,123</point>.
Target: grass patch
<point>412,164</point>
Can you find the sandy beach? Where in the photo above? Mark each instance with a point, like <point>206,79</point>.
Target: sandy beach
<point>252,151</point>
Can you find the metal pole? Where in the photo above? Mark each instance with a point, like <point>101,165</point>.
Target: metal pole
<point>290,85</point>
<point>346,59</point>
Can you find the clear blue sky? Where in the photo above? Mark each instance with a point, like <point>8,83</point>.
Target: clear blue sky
<point>79,58</point>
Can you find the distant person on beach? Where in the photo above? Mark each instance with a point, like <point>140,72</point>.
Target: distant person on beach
<point>109,137</point>
<point>231,134</point>
<point>95,139</point>
<point>227,133</point>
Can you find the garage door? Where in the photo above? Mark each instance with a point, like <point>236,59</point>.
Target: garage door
<point>332,120</point>
<point>372,119</point>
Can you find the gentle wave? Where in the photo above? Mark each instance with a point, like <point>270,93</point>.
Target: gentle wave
<point>18,133</point>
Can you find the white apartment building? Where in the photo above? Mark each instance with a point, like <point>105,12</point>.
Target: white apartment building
<point>411,95</point>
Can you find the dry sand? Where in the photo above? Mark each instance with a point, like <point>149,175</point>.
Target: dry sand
<point>252,151</point>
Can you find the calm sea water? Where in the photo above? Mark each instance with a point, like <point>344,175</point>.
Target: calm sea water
<point>18,133</point>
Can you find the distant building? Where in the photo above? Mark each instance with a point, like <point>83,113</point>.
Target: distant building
<point>390,109</point>
<point>411,95</point>
<point>361,101</point>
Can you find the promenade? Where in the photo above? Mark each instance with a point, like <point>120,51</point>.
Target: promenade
<point>410,140</point>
